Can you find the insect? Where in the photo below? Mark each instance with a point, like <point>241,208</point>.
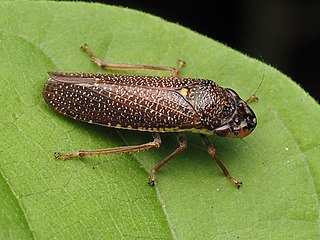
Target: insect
<point>149,103</point>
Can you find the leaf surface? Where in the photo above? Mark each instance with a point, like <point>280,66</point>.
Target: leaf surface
<point>107,196</point>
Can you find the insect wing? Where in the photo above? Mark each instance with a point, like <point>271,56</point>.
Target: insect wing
<point>123,101</point>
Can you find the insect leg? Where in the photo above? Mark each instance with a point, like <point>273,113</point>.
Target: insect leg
<point>155,143</point>
<point>212,152</point>
<point>174,72</point>
<point>182,146</point>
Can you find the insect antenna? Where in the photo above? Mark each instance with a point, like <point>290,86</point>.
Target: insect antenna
<point>264,161</point>
<point>253,96</point>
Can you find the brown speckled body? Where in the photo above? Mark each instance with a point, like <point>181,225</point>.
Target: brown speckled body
<point>145,103</point>
<point>153,104</point>
<point>150,103</point>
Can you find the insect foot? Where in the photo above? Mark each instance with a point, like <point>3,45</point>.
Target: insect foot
<point>61,155</point>
<point>58,155</point>
<point>152,178</point>
<point>235,181</point>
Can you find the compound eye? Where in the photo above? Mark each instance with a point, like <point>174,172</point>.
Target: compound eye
<point>250,118</point>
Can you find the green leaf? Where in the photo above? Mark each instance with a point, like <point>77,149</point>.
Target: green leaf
<point>108,196</point>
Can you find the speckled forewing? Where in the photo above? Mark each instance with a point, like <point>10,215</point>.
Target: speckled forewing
<point>124,101</point>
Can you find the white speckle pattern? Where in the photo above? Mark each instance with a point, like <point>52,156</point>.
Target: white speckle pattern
<point>145,103</point>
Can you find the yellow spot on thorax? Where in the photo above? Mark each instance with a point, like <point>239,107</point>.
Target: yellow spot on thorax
<point>184,91</point>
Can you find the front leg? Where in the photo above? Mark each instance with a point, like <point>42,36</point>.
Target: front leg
<point>212,152</point>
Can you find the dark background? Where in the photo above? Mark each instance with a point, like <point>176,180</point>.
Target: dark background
<point>285,34</point>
